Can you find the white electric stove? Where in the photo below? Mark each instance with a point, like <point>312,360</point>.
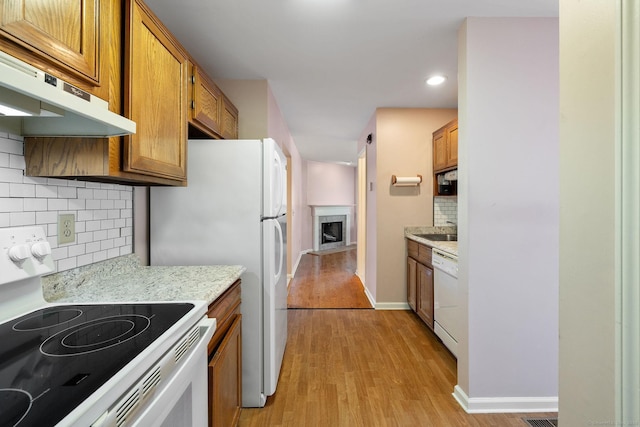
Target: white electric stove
<point>100,364</point>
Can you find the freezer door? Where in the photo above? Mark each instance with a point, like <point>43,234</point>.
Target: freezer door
<point>275,299</point>
<point>274,180</point>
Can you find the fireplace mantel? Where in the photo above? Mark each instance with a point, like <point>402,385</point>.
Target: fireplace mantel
<point>318,211</point>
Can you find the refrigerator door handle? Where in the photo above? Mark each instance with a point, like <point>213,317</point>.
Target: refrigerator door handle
<point>281,240</point>
<point>279,185</point>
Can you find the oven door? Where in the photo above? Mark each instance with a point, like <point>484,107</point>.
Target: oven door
<point>179,400</point>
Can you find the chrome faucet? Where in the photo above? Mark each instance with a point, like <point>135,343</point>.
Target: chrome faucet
<point>455,225</point>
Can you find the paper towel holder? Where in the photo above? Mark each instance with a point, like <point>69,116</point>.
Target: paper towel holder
<point>406,181</point>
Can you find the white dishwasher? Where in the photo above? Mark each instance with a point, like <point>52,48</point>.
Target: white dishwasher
<point>445,294</point>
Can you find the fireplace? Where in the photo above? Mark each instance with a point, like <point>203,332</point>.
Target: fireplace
<point>331,227</point>
<point>332,232</point>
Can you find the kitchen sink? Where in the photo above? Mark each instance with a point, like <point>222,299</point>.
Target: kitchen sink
<point>439,237</point>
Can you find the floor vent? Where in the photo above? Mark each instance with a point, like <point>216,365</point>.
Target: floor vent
<point>542,422</point>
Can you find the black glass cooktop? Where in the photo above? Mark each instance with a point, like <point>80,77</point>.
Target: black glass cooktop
<point>54,358</point>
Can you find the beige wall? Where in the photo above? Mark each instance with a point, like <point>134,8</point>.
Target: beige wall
<point>402,140</point>
<point>260,117</point>
<point>588,132</point>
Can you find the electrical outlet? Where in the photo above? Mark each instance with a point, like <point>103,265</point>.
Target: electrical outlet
<point>66,228</point>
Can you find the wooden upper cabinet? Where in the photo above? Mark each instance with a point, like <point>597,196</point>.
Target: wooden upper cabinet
<point>452,145</point>
<point>67,39</point>
<point>445,147</point>
<point>155,82</point>
<point>439,150</point>
<point>229,119</point>
<point>205,103</point>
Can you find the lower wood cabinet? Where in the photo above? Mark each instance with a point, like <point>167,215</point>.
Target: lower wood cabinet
<point>420,281</point>
<point>225,360</point>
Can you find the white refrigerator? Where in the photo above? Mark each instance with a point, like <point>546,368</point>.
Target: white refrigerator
<point>233,211</point>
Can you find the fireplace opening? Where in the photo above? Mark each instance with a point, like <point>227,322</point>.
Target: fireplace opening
<point>331,232</point>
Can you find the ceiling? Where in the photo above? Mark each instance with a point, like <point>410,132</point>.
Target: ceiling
<point>331,63</point>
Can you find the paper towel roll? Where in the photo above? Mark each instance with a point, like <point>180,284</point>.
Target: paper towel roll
<point>406,181</point>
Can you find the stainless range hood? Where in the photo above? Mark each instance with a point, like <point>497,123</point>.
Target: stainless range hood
<point>34,103</point>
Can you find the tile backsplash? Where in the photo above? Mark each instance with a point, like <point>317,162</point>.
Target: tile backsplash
<point>103,212</point>
<point>445,209</point>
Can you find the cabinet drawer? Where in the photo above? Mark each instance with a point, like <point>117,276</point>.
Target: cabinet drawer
<point>412,249</point>
<point>224,310</point>
<point>424,254</point>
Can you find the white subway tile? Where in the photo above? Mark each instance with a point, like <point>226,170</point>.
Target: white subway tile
<point>67,263</point>
<point>113,194</point>
<point>57,204</point>
<point>11,146</point>
<point>57,182</point>
<point>92,204</point>
<point>113,253</point>
<point>99,235</point>
<point>77,204</point>
<point>99,256</point>
<point>106,204</point>
<point>100,214</point>
<point>85,260</point>
<point>35,204</point>
<point>84,237</point>
<point>85,215</point>
<point>22,218</point>
<point>16,161</point>
<point>76,250</point>
<point>4,189</point>
<point>99,194</point>
<point>93,225</point>
<point>4,160</point>
<point>46,217</point>
<point>67,192</point>
<point>60,252</point>
<point>5,219</point>
<point>106,224</point>
<point>113,233</point>
<point>11,205</point>
<point>10,175</point>
<point>106,244</point>
<point>22,190</point>
<point>92,247</point>
<point>46,191</point>
<point>85,193</point>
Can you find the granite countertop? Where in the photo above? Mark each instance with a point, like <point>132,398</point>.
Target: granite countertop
<point>449,247</point>
<point>124,279</point>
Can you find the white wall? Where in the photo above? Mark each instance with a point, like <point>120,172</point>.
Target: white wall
<point>103,212</point>
<point>508,205</point>
<point>332,184</point>
<point>588,102</point>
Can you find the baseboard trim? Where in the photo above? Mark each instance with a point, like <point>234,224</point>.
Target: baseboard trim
<point>392,306</point>
<point>487,405</point>
<point>369,296</point>
<point>295,266</point>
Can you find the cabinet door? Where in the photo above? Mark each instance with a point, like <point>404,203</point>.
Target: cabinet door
<point>229,120</point>
<point>225,379</point>
<point>425,294</point>
<point>452,144</point>
<point>63,32</point>
<point>206,103</point>
<point>412,269</point>
<point>439,150</point>
<point>156,75</point>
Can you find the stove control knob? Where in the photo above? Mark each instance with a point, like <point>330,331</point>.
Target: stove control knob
<point>41,249</point>
<point>19,253</point>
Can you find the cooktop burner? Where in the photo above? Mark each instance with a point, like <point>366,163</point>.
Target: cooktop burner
<point>54,358</point>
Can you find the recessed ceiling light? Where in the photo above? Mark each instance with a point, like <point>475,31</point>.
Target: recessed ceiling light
<point>436,80</point>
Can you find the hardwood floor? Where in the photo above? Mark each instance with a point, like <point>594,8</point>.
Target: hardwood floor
<point>327,281</point>
<point>345,367</point>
